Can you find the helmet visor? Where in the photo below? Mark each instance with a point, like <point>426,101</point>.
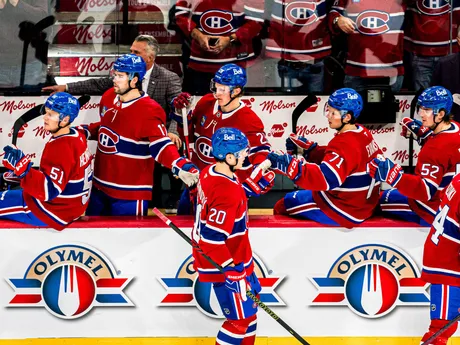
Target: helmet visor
<point>114,74</point>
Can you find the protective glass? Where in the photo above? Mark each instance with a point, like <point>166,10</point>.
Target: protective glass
<point>116,75</point>
<point>424,111</point>
<point>331,112</point>
<point>218,89</point>
<point>242,153</point>
<point>47,112</point>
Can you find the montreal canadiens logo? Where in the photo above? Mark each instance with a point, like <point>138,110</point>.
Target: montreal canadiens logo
<point>215,22</point>
<point>69,280</point>
<point>433,7</point>
<point>204,150</point>
<point>184,289</point>
<point>373,22</point>
<point>301,13</point>
<point>107,141</point>
<point>372,279</point>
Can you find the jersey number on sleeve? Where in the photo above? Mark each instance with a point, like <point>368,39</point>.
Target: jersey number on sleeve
<point>87,183</point>
<point>438,224</point>
<point>57,175</point>
<point>336,156</point>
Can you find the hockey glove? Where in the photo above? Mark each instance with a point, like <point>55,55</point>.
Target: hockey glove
<point>286,164</point>
<point>294,141</point>
<point>235,280</point>
<point>259,182</point>
<point>385,171</point>
<point>182,100</point>
<point>16,161</point>
<point>185,170</point>
<point>410,126</point>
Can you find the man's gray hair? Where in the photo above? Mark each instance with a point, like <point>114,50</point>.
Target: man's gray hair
<point>152,43</point>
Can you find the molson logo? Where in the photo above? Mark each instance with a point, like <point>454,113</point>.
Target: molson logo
<point>184,289</point>
<point>372,279</point>
<point>69,280</point>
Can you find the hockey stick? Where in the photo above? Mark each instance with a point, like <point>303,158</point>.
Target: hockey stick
<point>441,331</point>
<point>306,103</point>
<point>34,113</point>
<point>372,185</point>
<point>186,139</point>
<point>262,305</point>
<point>413,106</point>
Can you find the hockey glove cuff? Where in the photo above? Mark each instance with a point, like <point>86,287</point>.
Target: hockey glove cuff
<point>294,141</point>
<point>259,182</point>
<point>411,126</point>
<point>16,161</point>
<point>286,164</point>
<point>387,171</point>
<point>185,170</point>
<point>235,279</point>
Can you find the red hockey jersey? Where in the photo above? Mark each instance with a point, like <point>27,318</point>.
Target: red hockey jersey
<point>58,193</point>
<point>221,18</point>
<point>375,48</point>
<point>441,264</point>
<point>340,183</point>
<point>129,135</point>
<point>221,228</point>
<point>298,31</point>
<point>436,165</point>
<point>207,118</point>
<point>427,27</point>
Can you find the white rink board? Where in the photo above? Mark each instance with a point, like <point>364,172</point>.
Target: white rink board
<point>148,254</point>
<point>275,112</point>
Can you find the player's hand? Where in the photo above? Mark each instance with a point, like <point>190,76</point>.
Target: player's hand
<point>16,161</point>
<point>411,126</point>
<point>235,279</point>
<point>259,182</point>
<point>384,170</point>
<point>202,39</point>
<point>346,25</point>
<point>178,118</point>
<point>285,164</point>
<point>182,100</point>
<point>175,139</point>
<point>222,43</point>
<point>10,178</point>
<point>53,89</point>
<point>294,141</point>
<point>186,171</point>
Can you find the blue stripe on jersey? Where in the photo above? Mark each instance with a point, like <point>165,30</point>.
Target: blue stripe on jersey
<point>210,234</point>
<point>75,188</point>
<point>135,149</point>
<point>338,210</point>
<point>451,229</point>
<point>239,226</point>
<point>260,148</point>
<point>446,179</point>
<point>278,10</point>
<point>357,181</point>
<point>253,13</point>
<point>432,188</point>
<point>52,191</point>
<point>48,213</point>
<point>157,146</point>
<point>329,175</point>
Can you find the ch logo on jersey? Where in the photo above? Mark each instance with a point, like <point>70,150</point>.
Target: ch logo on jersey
<point>203,148</point>
<point>215,22</point>
<point>107,141</point>
<point>301,13</point>
<point>373,22</point>
<point>69,280</point>
<point>372,279</point>
<point>184,289</point>
<point>433,7</point>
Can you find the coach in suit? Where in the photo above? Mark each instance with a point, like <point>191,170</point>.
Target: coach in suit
<point>159,83</point>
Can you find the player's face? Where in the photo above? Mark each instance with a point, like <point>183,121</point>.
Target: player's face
<point>426,114</point>
<point>143,50</point>
<point>334,117</point>
<point>51,119</point>
<point>120,82</point>
<point>221,93</point>
<point>238,158</point>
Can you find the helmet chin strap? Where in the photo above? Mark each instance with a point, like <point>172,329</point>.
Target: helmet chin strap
<point>436,124</point>
<point>232,167</point>
<point>231,98</point>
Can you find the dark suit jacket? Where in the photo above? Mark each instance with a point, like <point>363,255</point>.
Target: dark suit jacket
<point>164,85</point>
<point>447,74</point>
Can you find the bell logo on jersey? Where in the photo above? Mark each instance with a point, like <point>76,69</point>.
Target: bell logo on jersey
<point>301,13</point>
<point>215,22</point>
<point>372,279</point>
<point>69,280</point>
<point>373,22</point>
<point>433,7</point>
<point>204,150</point>
<point>185,290</point>
<point>107,141</point>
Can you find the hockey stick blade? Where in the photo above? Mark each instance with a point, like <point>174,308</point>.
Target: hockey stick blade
<point>34,113</point>
<point>306,103</point>
<point>413,106</point>
<point>441,331</point>
<point>262,305</point>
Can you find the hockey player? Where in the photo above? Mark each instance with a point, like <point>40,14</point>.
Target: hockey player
<point>441,266</point>
<point>334,177</point>
<point>224,108</point>
<point>131,132</point>
<point>221,232</point>
<point>416,197</point>
<point>57,193</point>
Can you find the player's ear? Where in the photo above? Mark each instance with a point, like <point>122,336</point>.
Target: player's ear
<point>65,121</point>
<point>133,81</point>
<point>236,92</point>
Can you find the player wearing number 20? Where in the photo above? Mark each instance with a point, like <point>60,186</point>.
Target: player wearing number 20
<point>57,193</point>
<point>334,176</point>
<point>416,197</point>
<point>221,233</point>
<point>441,265</point>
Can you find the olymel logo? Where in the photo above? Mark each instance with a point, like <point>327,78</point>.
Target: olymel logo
<point>184,289</point>
<point>69,280</point>
<point>372,279</point>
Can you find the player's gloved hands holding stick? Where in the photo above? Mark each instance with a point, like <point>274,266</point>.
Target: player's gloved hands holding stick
<point>419,132</point>
<point>384,170</point>
<point>182,101</point>
<point>300,144</point>
<point>184,169</point>
<point>16,161</point>
<point>260,181</point>
<point>235,279</point>
<point>285,164</point>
